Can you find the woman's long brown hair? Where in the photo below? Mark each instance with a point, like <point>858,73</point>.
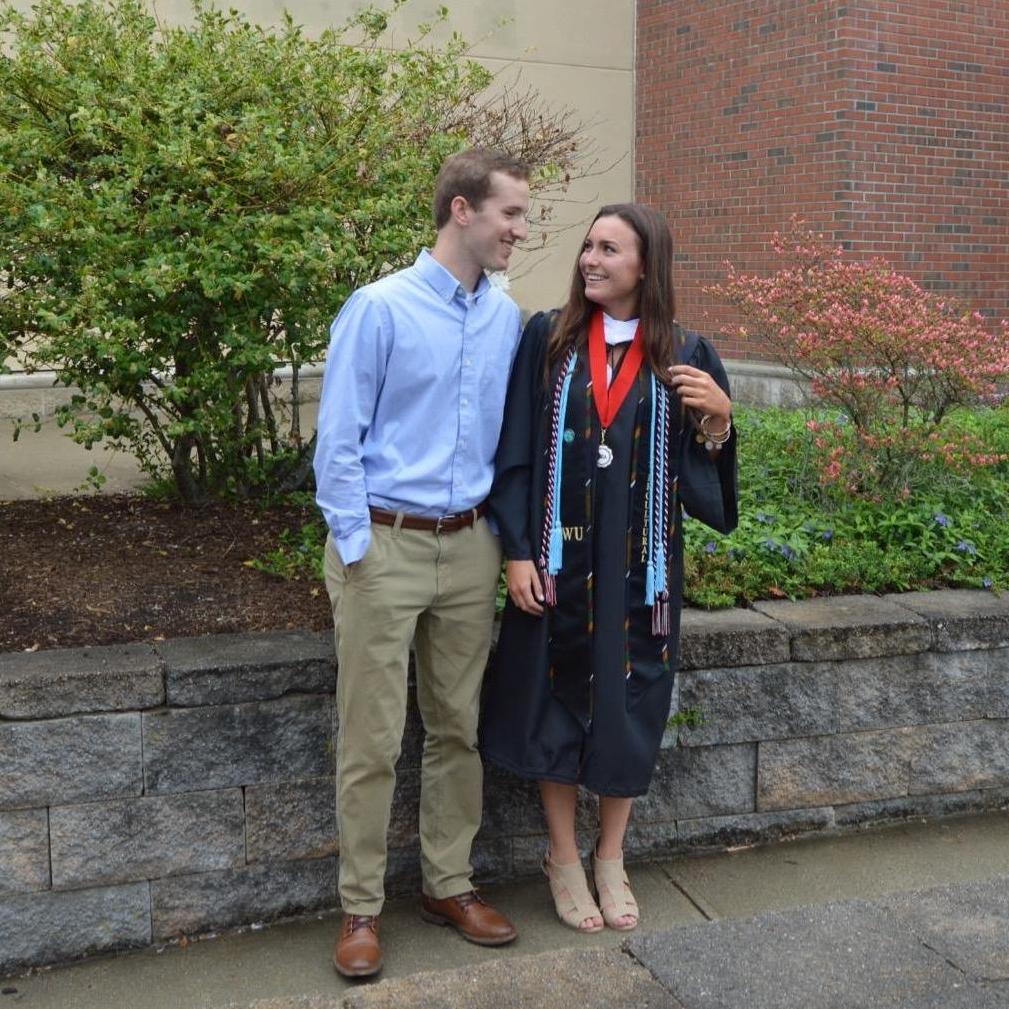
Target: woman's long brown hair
<point>656,299</point>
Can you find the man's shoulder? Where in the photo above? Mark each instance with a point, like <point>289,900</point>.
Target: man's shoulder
<point>390,286</point>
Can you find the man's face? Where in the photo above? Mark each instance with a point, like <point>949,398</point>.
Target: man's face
<point>498,223</point>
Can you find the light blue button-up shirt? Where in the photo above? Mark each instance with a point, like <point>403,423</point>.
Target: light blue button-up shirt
<point>412,399</point>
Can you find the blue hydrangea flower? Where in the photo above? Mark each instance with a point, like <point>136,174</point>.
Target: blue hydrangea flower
<point>710,547</point>
<point>942,520</point>
<point>827,534</point>
<point>787,552</point>
<point>966,547</point>
<point>986,582</point>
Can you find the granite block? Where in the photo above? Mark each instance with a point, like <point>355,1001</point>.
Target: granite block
<point>896,690</point>
<point>288,739</point>
<point>962,756</point>
<point>24,851</point>
<point>960,619</point>
<point>134,839</point>
<point>70,681</point>
<point>48,928</point>
<point>848,627</point>
<point>292,819</point>
<point>189,905</point>
<point>234,668</point>
<point>709,639</point>
<point>752,828</point>
<point>700,781</point>
<point>826,770</point>
<point>882,811</point>
<point>758,702</point>
<point>88,757</point>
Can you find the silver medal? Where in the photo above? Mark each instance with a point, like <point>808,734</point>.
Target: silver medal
<point>605,456</point>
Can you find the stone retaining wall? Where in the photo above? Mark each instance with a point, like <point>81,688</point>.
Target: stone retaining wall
<point>149,791</point>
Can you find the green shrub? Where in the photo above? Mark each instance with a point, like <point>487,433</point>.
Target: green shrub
<point>891,360</point>
<point>183,209</point>
<point>797,537</point>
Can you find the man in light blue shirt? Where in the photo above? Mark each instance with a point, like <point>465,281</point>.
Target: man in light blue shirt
<point>409,419</point>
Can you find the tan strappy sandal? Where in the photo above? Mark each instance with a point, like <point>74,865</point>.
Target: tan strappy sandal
<point>613,888</point>
<point>570,890</point>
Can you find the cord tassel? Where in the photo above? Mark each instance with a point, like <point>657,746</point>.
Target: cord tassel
<point>661,616</point>
<point>549,584</point>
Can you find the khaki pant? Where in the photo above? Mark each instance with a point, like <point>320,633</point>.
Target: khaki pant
<point>438,590</point>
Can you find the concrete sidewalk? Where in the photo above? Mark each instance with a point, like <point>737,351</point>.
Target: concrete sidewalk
<point>700,945</point>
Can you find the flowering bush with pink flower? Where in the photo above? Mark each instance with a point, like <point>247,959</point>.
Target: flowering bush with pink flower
<point>893,358</point>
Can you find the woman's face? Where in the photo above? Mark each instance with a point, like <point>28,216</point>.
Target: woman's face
<point>612,267</point>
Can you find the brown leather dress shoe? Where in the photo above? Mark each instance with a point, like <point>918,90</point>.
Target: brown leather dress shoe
<point>357,952</point>
<point>471,916</point>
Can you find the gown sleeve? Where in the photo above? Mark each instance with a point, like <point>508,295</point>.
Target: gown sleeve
<point>509,499</point>
<point>708,486</point>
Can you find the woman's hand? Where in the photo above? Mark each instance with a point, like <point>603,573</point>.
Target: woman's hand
<point>699,391</point>
<point>524,586</point>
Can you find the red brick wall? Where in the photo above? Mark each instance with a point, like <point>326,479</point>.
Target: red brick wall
<point>885,123</point>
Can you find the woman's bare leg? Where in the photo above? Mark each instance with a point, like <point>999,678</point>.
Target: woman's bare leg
<point>559,802</point>
<point>613,816</point>
<point>614,813</point>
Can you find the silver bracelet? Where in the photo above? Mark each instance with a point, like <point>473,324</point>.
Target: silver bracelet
<point>713,439</point>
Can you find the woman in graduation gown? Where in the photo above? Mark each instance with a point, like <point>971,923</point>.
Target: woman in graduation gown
<point>614,417</point>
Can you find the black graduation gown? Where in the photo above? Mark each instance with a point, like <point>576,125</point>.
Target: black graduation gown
<point>526,726</point>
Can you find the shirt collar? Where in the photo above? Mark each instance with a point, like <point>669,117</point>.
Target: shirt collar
<point>444,283</point>
<point>616,331</point>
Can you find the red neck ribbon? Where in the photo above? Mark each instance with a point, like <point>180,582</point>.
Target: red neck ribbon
<point>609,399</point>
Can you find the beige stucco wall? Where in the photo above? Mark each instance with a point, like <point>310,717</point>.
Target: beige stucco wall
<point>575,53</point>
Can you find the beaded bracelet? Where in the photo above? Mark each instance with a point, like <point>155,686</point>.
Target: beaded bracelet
<point>713,440</point>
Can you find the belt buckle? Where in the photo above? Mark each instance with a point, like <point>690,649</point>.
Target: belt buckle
<point>442,525</point>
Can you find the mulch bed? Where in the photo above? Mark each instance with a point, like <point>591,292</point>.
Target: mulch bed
<point>107,569</point>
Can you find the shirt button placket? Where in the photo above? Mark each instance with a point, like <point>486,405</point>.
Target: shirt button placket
<point>465,404</point>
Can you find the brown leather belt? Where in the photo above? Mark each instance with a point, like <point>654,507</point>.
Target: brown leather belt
<point>445,524</point>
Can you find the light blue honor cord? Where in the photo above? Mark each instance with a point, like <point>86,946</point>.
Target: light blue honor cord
<point>650,501</point>
<point>660,538</point>
<point>555,554</point>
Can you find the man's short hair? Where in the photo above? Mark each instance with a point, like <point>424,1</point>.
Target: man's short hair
<point>468,175</point>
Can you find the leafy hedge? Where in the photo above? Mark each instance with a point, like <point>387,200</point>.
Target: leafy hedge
<point>183,209</point>
<point>798,537</point>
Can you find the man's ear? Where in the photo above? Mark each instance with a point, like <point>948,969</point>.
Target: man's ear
<point>460,210</point>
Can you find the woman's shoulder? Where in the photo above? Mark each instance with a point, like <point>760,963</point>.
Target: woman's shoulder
<point>540,324</point>
<point>695,349</point>
<point>533,345</point>
<point>536,334</point>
